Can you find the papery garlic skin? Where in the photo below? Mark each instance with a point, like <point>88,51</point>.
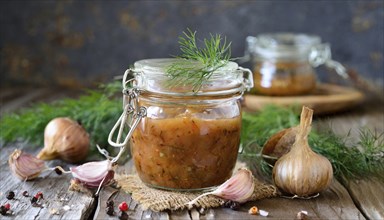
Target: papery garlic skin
<point>301,171</point>
<point>92,174</point>
<point>239,188</point>
<point>302,174</point>
<point>65,139</point>
<point>25,166</point>
<point>278,145</point>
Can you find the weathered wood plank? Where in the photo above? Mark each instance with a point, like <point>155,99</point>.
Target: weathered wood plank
<point>179,215</point>
<point>57,199</point>
<point>333,203</point>
<point>118,196</point>
<point>367,193</point>
<point>15,104</point>
<point>8,94</point>
<point>16,98</point>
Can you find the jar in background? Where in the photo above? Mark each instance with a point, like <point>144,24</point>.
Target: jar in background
<point>186,141</point>
<point>283,63</point>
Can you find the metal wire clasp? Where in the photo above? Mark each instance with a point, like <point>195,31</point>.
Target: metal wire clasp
<point>321,54</point>
<point>131,116</point>
<point>247,78</point>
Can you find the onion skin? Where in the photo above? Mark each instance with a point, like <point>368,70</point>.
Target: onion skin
<point>301,171</point>
<point>279,144</point>
<point>65,139</point>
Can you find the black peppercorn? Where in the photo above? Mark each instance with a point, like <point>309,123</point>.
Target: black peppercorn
<point>11,195</point>
<point>227,204</point>
<point>110,203</point>
<point>3,210</point>
<point>232,205</point>
<point>110,211</point>
<point>33,200</point>
<point>25,194</point>
<point>58,171</point>
<point>235,206</point>
<point>123,216</point>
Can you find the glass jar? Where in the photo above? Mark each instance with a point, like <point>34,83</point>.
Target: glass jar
<point>187,140</point>
<point>283,63</point>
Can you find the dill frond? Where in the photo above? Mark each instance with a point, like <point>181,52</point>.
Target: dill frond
<point>97,110</point>
<point>365,157</point>
<point>214,54</point>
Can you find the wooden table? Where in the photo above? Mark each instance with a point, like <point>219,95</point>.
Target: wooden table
<point>348,199</point>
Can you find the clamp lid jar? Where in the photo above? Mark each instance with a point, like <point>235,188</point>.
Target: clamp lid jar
<point>188,140</point>
<point>283,63</point>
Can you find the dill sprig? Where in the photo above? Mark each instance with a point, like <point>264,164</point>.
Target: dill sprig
<point>364,157</point>
<point>361,158</point>
<point>97,111</point>
<point>214,54</point>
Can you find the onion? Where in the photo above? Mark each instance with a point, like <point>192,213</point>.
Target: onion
<point>65,139</point>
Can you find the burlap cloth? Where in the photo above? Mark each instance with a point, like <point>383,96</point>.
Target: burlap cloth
<point>160,200</point>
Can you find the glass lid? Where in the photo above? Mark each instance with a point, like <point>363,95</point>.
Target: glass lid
<point>159,66</point>
<point>150,76</point>
<point>282,45</point>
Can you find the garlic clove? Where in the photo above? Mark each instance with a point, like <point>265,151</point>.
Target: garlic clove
<point>238,188</point>
<point>302,215</point>
<point>25,166</point>
<point>263,213</point>
<point>92,174</point>
<point>65,139</point>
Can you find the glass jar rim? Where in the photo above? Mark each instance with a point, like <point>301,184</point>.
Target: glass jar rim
<point>158,66</point>
<point>150,76</point>
<point>285,45</point>
<point>288,40</point>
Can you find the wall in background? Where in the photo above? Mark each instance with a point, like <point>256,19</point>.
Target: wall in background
<point>78,43</point>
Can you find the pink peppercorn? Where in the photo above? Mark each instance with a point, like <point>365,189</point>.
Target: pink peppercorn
<point>7,206</point>
<point>123,207</point>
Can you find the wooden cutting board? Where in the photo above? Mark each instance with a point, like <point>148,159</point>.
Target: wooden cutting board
<point>327,98</point>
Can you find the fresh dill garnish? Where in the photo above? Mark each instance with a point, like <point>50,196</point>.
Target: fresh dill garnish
<point>196,65</point>
<point>361,158</point>
<point>364,157</point>
<point>97,111</point>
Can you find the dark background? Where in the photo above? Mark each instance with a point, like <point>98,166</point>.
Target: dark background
<point>80,43</point>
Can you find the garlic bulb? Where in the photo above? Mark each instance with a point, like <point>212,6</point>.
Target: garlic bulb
<point>238,188</point>
<point>93,174</point>
<point>302,172</point>
<point>25,166</point>
<point>65,139</point>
